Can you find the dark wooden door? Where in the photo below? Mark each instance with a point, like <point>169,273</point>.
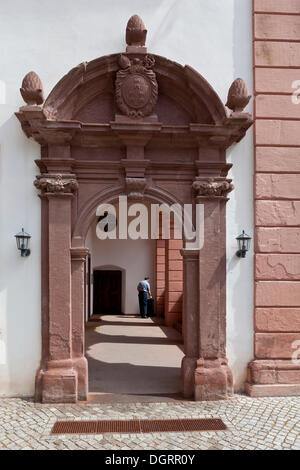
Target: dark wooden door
<point>88,286</point>
<point>107,292</point>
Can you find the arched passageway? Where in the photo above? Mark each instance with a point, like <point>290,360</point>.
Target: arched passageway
<point>128,356</point>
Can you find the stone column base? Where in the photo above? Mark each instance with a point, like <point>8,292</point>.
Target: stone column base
<point>188,367</point>
<point>267,378</point>
<point>81,367</point>
<point>213,380</point>
<point>206,379</point>
<point>58,384</point>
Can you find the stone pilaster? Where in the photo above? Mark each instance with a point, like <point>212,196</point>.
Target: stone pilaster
<point>191,319</point>
<point>78,259</point>
<point>58,378</point>
<point>207,375</point>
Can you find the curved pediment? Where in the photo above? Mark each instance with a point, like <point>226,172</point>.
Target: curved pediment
<point>87,94</point>
<point>133,91</point>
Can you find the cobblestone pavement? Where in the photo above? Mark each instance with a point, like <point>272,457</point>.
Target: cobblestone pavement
<point>262,423</point>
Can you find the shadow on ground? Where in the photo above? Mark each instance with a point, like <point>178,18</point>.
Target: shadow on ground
<point>132,359</point>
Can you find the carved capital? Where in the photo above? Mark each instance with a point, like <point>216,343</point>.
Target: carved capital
<point>135,187</point>
<point>56,184</point>
<point>79,253</point>
<point>189,254</point>
<point>212,187</point>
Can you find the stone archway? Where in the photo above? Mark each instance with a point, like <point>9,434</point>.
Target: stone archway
<point>144,126</point>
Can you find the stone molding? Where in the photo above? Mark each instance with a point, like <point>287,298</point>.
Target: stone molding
<point>273,377</point>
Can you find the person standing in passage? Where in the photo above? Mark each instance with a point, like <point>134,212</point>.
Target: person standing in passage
<point>144,291</point>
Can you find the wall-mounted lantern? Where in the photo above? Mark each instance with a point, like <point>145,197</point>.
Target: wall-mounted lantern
<point>22,239</point>
<point>243,244</point>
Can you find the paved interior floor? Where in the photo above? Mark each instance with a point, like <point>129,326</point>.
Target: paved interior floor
<point>133,359</point>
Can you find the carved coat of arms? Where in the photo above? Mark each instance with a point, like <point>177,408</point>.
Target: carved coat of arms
<point>136,86</point>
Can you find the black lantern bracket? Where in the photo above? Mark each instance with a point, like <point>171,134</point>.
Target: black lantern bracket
<point>22,240</point>
<point>243,244</point>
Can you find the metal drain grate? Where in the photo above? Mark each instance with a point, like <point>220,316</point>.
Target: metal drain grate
<point>132,426</point>
<point>75,427</point>
<point>209,424</point>
<point>160,425</point>
<point>138,426</point>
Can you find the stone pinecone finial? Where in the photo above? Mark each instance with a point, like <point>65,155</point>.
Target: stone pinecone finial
<point>238,96</point>
<point>32,89</point>
<point>136,31</point>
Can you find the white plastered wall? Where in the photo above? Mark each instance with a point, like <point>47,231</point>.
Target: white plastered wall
<point>214,37</point>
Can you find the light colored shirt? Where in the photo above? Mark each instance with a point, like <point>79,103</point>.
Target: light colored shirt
<point>143,286</point>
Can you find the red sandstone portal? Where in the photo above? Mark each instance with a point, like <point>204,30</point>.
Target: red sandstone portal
<point>138,125</point>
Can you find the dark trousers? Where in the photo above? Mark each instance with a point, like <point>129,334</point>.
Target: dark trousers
<point>143,296</point>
